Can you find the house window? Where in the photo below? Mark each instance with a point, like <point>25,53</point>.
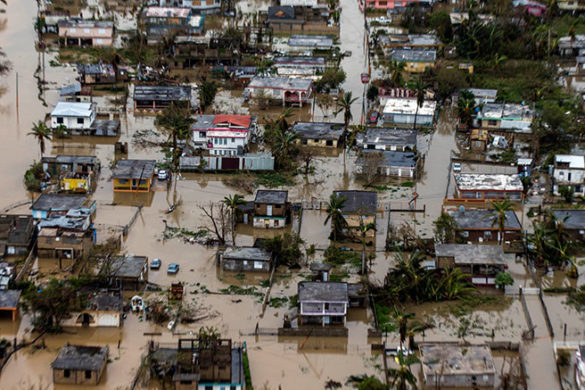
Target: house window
<point>465,234</point>
<point>87,374</point>
<point>59,119</point>
<point>208,387</point>
<point>99,41</point>
<point>67,373</point>
<point>186,382</point>
<point>196,3</point>
<point>276,222</point>
<point>492,122</point>
<point>73,30</point>
<point>202,134</point>
<point>233,140</point>
<point>86,30</point>
<point>79,121</point>
<point>102,31</point>
<point>225,141</point>
<point>277,206</point>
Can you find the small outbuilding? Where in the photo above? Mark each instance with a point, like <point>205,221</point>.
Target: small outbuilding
<point>79,365</point>
<point>248,259</point>
<point>129,273</point>
<point>270,209</point>
<point>9,302</point>
<point>133,175</point>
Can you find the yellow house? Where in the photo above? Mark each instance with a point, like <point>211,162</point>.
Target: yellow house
<point>415,60</point>
<point>322,134</point>
<point>76,182</point>
<point>133,175</point>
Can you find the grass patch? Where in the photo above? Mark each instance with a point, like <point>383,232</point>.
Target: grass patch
<point>273,179</point>
<point>277,302</point>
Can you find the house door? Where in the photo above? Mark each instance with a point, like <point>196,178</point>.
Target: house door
<point>269,211</point>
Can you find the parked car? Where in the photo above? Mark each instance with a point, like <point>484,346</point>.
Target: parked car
<point>456,167</point>
<point>347,53</point>
<point>173,268</point>
<point>162,175</point>
<point>373,118</point>
<point>155,264</point>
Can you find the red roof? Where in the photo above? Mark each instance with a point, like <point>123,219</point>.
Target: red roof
<point>238,120</point>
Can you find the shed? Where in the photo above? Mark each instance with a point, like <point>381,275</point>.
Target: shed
<point>79,365</point>
<point>9,301</point>
<point>129,272</point>
<point>246,259</point>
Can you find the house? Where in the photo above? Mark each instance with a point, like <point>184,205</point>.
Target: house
<point>224,135</point>
<point>409,41</point>
<point>573,222</point>
<point>100,73</point>
<point>318,133</point>
<point>80,119</point>
<point>481,225</point>
<point>79,365</point>
<point>270,209</point>
<point>49,205</point>
<point>300,62</point>
<point>401,140</point>
<point>75,173</point>
<point>301,43</point>
<point>403,112</point>
<point>287,19</point>
<point>530,7</point>
<point>478,138</point>
<point>158,97</point>
<point>17,234</point>
<point>481,262</point>
<point>280,89</point>
<point>248,162</point>
<point>202,364</point>
<point>203,7</point>
<point>359,206</point>
<point>133,175</point>
<point>80,32</point>
<point>452,365</point>
<point>481,96</point>
<point>129,273</point>
<point>75,93</point>
<point>192,50</point>
<point>569,170</point>
<point>389,163</point>
<point>245,259</point>
<point>9,300</point>
<point>322,303</point>
<point>415,60</point>
<point>573,6</point>
<point>506,117</point>
<point>160,22</point>
<point>571,46</point>
<point>488,186</point>
<point>388,4</point>
<point>52,18</point>
<point>101,308</point>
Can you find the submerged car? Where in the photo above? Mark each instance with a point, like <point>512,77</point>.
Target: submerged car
<point>173,268</point>
<point>163,175</point>
<point>155,264</point>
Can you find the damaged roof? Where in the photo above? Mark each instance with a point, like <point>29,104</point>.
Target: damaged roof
<point>73,109</point>
<point>318,130</point>
<point>322,292</point>
<point>316,41</point>
<point>162,93</point>
<point>133,169</point>
<point>128,266</point>
<point>483,219</point>
<point>285,83</point>
<point>508,111</point>
<point>471,253</point>
<point>80,357</point>
<point>408,55</point>
<point>299,61</point>
<point>247,253</point>
<point>271,197</point>
<point>9,299</point>
<point>405,106</point>
<point>486,182</point>
<point>389,158</point>
<point>105,301</point>
<point>359,202</point>
<point>389,137</point>
<point>452,359</point>
<point>58,202</point>
<point>571,219</point>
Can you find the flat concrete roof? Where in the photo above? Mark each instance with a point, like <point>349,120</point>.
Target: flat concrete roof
<point>390,158</point>
<point>483,219</point>
<point>451,359</point>
<point>388,137</point>
<point>471,253</point>
<point>162,93</point>
<point>571,219</point>
<point>271,197</point>
<point>359,202</point>
<point>9,299</point>
<point>78,357</point>
<point>508,111</point>
<point>322,292</point>
<point>486,182</point>
<point>247,253</point>
<point>167,12</point>
<point>299,60</point>
<point>414,55</point>
<point>128,266</point>
<point>284,83</point>
<point>574,161</point>
<point>133,169</point>
<point>406,106</point>
<point>58,202</point>
<point>317,41</point>
<point>318,130</point>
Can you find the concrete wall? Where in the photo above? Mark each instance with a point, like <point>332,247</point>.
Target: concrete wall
<point>267,222</point>
<point>72,123</point>
<point>78,377</point>
<point>277,210</point>
<point>245,265</point>
<point>317,142</point>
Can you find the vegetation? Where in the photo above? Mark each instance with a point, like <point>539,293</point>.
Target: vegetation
<point>504,279</point>
<point>344,105</point>
<point>207,92</point>
<point>176,123</point>
<point>286,249</point>
<point>445,229</point>
<point>330,79</point>
<point>42,133</point>
<point>335,215</point>
<point>500,209</point>
<point>280,140</point>
<point>466,108</point>
<point>234,202</point>
<point>33,177</point>
<point>402,376</point>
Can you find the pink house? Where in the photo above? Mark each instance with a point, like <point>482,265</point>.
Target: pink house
<point>386,4</point>
<point>79,32</point>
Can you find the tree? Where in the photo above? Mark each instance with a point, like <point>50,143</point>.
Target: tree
<point>306,155</point>
<point>395,68</point>
<point>207,92</point>
<point>372,93</point>
<point>567,193</point>
<point>504,279</point>
<point>324,102</point>
<point>441,23</point>
<point>401,320</point>
<point>49,304</point>
<point>466,108</point>
<point>419,88</point>
<point>330,79</point>
<point>60,131</point>
<point>41,132</point>
<point>366,382</point>
<point>402,377</point>
<point>219,216</point>
<point>370,166</point>
<point>285,249</point>
<point>445,229</point>
<point>33,177</point>
<point>344,105</point>
<point>234,202</point>
<point>364,229</point>
<point>335,215</point>
<point>500,211</point>
<point>176,122</point>
<point>449,81</point>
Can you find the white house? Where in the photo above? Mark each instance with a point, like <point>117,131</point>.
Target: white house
<point>199,6</point>
<point>569,170</point>
<point>280,89</point>
<point>73,115</point>
<point>403,111</point>
<point>224,135</point>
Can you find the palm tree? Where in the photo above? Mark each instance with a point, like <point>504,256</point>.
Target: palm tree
<point>234,202</point>
<point>500,209</point>
<point>283,146</point>
<point>176,122</point>
<point>401,319</point>
<point>419,88</point>
<point>466,107</point>
<point>395,68</point>
<point>364,229</point>
<point>334,213</point>
<point>41,132</point>
<point>344,105</point>
<point>402,377</point>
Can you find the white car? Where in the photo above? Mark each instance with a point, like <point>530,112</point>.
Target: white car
<point>162,175</point>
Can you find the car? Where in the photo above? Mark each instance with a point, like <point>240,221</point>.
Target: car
<point>155,264</point>
<point>347,53</point>
<point>373,118</point>
<point>162,175</point>
<point>456,167</point>
<point>173,268</point>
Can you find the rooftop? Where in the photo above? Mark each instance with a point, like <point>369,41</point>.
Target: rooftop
<point>483,93</point>
<point>385,136</point>
<point>280,83</point>
<point>409,40</point>
<point>58,202</point>
<point>99,68</point>
<point>299,60</point>
<point>484,181</point>
<point>9,299</point>
<point>83,23</point>
<point>285,12</point>
<point>163,93</point>
<point>409,107</point>
<point>105,127</point>
<point>128,266</point>
<point>73,109</point>
<point>105,301</point>
<point>318,130</point>
<point>167,12</point>
<point>133,169</point>
<point>569,42</point>
<point>359,202</point>
<point>483,219</point>
<point>471,253</point>
<point>67,159</point>
<point>70,89</point>
<point>571,219</point>
<point>450,359</point>
<point>78,357</point>
<point>76,219</point>
<point>390,158</point>
<point>271,197</point>
<point>320,267</point>
<point>247,253</point>
<point>508,111</point>
<point>408,55</point>
<point>222,120</point>
<point>317,41</point>
<point>575,162</point>
<point>322,292</point>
